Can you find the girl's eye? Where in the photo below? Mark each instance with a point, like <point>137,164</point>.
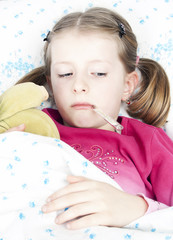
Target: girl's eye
<point>65,75</point>
<point>99,74</point>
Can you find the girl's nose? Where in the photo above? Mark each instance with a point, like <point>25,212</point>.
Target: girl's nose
<point>80,87</point>
<point>79,90</point>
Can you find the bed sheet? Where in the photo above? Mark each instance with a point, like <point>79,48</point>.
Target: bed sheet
<point>31,168</point>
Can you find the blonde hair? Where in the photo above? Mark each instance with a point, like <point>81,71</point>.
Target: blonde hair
<point>151,102</point>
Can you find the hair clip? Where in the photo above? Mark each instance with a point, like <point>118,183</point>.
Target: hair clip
<point>47,37</point>
<point>122,29</point>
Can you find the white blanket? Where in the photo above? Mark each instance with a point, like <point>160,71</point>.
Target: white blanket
<point>31,168</point>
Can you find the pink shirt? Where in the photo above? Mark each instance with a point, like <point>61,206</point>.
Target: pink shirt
<point>140,160</point>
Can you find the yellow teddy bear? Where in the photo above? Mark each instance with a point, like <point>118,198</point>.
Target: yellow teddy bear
<point>18,105</point>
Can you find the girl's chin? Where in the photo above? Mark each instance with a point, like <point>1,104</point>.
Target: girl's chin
<point>90,124</point>
<point>80,120</point>
<point>84,119</point>
<point>81,123</point>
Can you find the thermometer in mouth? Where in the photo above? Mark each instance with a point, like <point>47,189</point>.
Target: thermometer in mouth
<point>117,126</point>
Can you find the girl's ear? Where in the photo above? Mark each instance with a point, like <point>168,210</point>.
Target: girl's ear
<point>49,82</point>
<point>131,81</point>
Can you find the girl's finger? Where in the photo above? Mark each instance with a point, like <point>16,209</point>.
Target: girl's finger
<point>78,184</point>
<point>86,221</point>
<point>74,179</point>
<point>17,128</point>
<point>67,201</point>
<point>79,210</point>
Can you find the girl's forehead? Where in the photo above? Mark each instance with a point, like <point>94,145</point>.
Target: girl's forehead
<point>75,40</point>
<point>81,42</point>
<point>81,55</point>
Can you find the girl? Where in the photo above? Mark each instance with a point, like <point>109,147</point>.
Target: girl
<point>90,62</point>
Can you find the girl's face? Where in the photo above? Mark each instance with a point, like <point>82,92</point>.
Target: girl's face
<point>86,71</point>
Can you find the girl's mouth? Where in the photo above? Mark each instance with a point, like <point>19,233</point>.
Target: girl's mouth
<point>82,106</point>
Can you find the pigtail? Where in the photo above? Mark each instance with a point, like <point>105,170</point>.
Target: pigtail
<point>36,76</point>
<point>151,101</point>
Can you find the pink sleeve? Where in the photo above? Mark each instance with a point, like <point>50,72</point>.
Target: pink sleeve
<point>152,204</point>
<point>161,177</point>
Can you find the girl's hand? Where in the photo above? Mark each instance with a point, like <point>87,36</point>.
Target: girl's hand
<point>92,203</point>
<point>18,128</point>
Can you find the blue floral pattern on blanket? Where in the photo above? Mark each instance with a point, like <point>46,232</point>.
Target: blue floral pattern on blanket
<point>31,168</point>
